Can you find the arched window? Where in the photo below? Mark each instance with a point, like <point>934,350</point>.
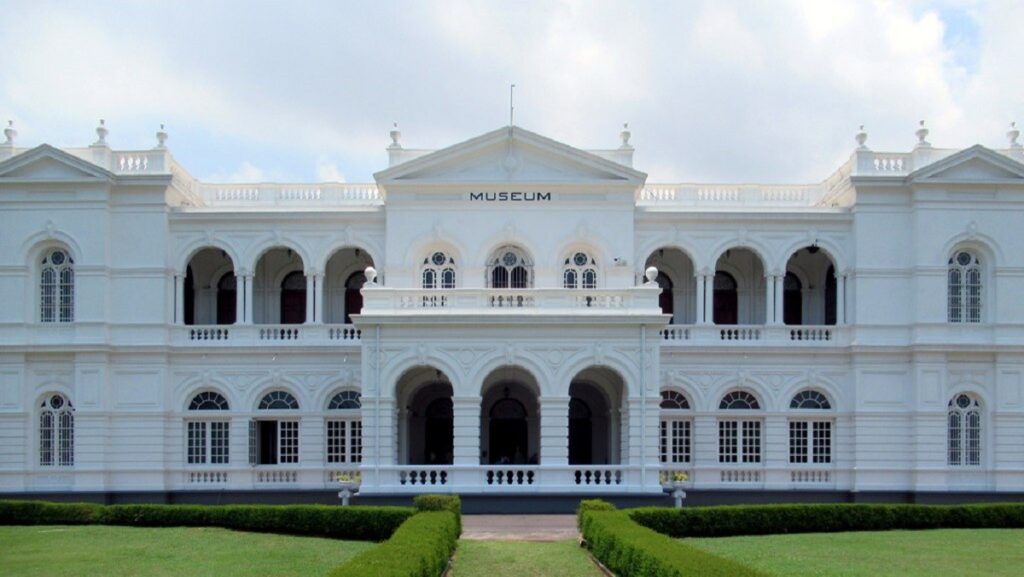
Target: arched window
<point>207,439</point>
<point>56,432</point>
<point>741,400</point>
<point>510,269</point>
<point>579,272</point>
<point>275,400</point>
<point>810,399</point>
<point>964,431</point>
<point>438,271</point>
<point>792,300</point>
<point>810,439</point>
<point>208,401</point>
<point>345,429</point>
<point>739,440</point>
<point>227,299</point>
<point>964,288</point>
<point>676,428</point>
<point>353,296</point>
<point>274,441</point>
<point>726,306</point>
<point>293,299</point>
<point>57,287</point>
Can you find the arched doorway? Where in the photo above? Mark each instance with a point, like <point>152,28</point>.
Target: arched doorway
<point>509,418</point>
<point>425,417</point>
<point>678,284</point>
<point>726,299</point>
<point>210,296</point>
<point>811,272</point>
<point>227,299</point>
<point>279,288</point>
<point>596,432</point>
<point>792,300</point>
<point>343,278</point>
<point>293,299</point>
<point>740,288</point>
<point>507,432</point>
<point>353,296</point>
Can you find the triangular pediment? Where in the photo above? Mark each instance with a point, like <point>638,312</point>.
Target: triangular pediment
<point>515,155</point>
<point>46,163</point>
<point>975,164</point>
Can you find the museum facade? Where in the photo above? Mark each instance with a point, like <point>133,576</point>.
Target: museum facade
<point>511,315</point>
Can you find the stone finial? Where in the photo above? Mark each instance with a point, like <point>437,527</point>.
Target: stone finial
<point>1013,134</point>
<point>625,135</point>
<point>861,138</point>
<point>10,133</point>
<point>371,275</point>
<point>101,132</point>
<point>922,134</point>
<point>396,136</point>
<point>651,274</point>
<point>161,137</point>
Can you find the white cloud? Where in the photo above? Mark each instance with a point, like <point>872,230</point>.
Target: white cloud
<point>713,90</point>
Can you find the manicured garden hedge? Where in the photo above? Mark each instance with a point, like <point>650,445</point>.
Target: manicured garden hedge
<point>450,503</point>
<point>351,523</point>
<point>421,547</point>
<point>732,520</point>
<point>631,550</point>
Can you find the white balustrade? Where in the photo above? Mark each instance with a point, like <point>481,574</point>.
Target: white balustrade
<point>296,194</point>
<point>345,333</point>
<point>738,333</point>
<point>729,196</point>
<point>510,476</point>
<point>209,333</point>
<point>633,300</point>
<point>672,333</point>
<point>810,476</point>
<point>202,477</point>
<point>596,475</point>
<point>810,334</point>
<point>265,335</point>
<point>279,333</point>
<point>423,476</point>
<point>276,476</point>
<point>511,301</point>
<point>741,476</point>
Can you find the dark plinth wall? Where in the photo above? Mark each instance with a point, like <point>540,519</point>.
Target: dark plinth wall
<point>520,504</point>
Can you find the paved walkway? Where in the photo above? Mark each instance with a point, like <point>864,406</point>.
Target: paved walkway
<point>519,527</point>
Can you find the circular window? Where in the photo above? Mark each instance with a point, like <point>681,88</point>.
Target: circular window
<point>56,402</point>
<point>509,259</point>
<point>963,401</point>
<point>580,259</point>
<point>438,258</point>
<point>57,257</point>
<point>963,259</point>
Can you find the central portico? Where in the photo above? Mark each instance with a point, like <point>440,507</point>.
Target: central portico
<point>494,384</point>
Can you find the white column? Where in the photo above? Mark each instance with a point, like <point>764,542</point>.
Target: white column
<point>466,430</point>
<point>239,299</point>
<point>554,431</point>
<point>179,299</point>
<point>249,305</point>
<point>709,298</point>
<point>701,317</point>
<point>779,293</point>
<point>310,296</point>
<point>841,300</point>
<point>319,299</point>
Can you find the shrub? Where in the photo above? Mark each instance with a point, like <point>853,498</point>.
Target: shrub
<point>353,523</point>
<point>450,503</point>
<point>421,547</point>
<point>823,518</point>
<point>630,550</point>
<point>591,505</point>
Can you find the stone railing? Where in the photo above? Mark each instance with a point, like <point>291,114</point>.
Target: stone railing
<point>505,301</point>
<point>264,335</point>
<point>756,335</point>
<point>730,196</point>
<point>287,195</point>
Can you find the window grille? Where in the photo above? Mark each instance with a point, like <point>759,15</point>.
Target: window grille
<point>676,444</point>
<point>509,269</point>
<point>739,400</point>
<point>56,432</point>
<point>739,441</point>
<point>57,288</point>
<point>674,400</point>
<point>579,272</point>
<point>438,271</point>
<point>810,399</point>
<point>288,442</point>
<point>810,442</point>
<point>278,400</point>
<point>964,288</point>
<point>963,444</point>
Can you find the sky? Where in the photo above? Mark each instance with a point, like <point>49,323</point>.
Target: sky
<point>713,91</point>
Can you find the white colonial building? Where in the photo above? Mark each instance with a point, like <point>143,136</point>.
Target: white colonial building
<point>511,315</point>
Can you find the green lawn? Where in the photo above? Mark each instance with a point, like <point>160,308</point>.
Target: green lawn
<point>937,553</point>
<point>97,550</point>
<point>522,559</point>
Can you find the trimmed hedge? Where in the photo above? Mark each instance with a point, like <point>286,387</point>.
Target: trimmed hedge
<point>731,520</point>
<point>631,550</point>
<point>450,503</point>
<point>421,547</point>
<point>350,523</point>
<point>591,505</point>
